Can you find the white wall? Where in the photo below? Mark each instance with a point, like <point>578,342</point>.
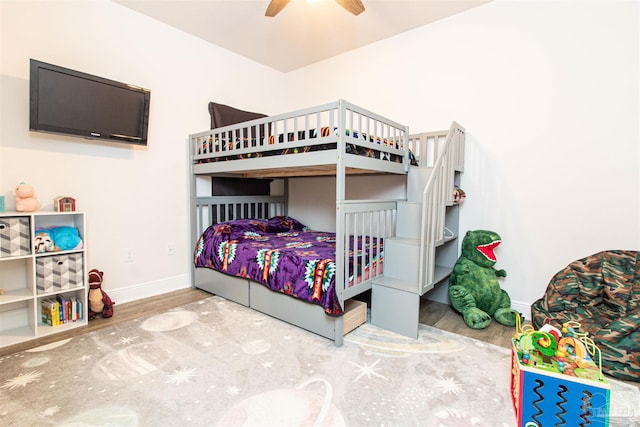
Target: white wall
<point>549,94</point>
<point>134,197</point>
<point>547,90</point>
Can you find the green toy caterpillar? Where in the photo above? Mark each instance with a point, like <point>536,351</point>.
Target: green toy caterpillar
<point>474,290</point>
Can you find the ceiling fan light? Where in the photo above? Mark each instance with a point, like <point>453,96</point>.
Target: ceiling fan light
<point>354,6</point>
<point>275,6</point>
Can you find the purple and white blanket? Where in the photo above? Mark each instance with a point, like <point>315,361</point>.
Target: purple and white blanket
<point>282,254</point>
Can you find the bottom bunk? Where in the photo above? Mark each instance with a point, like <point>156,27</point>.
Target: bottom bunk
<point>304,277</point>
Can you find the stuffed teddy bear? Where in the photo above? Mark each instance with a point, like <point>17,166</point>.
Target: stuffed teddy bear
<point>99,301</point>
<point>474,290</point>
<point>26,200</point>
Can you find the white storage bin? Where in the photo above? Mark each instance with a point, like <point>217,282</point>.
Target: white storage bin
<point>58,272</point>
<point>14,236</point>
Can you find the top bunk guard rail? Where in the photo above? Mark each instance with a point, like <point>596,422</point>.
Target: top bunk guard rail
<point>436,196</point>
<point>309,137</point>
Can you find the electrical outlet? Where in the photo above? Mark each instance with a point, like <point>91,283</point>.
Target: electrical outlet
<point>128,255</point>
<point>171,250</point>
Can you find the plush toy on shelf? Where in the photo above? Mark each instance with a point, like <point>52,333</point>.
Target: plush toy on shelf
<point>99,301</point>
<point>63,238</point>
<point>44,243</point>
<point>474,290</point>
<point>26,200</point>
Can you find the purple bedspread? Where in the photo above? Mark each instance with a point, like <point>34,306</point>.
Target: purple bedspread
<point>280,253</point>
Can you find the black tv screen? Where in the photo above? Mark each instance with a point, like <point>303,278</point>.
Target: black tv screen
<point>73,103</point>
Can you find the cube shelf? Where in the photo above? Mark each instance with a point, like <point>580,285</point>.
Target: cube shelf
<point>28,278</point>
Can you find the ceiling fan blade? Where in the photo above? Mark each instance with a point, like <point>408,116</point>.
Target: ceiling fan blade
<point>275,6</point>
<point>354,6</point>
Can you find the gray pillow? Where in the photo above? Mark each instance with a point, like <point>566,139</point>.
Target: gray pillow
<point>223,115</point>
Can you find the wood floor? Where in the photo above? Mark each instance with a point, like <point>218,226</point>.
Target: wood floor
<point>432,313</point>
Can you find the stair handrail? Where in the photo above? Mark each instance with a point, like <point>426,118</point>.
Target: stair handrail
<point>436,195</point>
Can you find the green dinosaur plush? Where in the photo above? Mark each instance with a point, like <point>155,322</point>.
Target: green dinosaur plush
<point>474,290</point>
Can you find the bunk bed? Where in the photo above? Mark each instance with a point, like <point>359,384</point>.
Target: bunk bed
<point>336,139</point>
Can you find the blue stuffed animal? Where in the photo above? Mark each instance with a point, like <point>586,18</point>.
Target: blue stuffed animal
<point>63,238</point>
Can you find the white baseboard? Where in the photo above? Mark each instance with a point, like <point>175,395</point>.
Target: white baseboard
<point>523,308</point>
<point>150,289</point>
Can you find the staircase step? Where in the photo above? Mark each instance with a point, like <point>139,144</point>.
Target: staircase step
<point>409,219</point>
<point>395,309</point>
<point>399,284</point>
<point>441,274</point>
<point>446,239</point>
<point>416,181</point>
<point>401,258</point>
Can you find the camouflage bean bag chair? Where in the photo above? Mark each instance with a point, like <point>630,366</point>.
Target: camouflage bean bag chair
<point>602,293</point>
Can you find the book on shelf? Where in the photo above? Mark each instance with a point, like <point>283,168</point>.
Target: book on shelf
<point>50,312</point>
<point>59,310</point>
<point>74,309</point>
<point>45,310</point>
<point>62,300</point>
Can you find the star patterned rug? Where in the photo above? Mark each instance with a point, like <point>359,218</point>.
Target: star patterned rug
<point>216,363</point>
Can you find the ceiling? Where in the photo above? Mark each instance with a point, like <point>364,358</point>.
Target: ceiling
<point>303,33</point>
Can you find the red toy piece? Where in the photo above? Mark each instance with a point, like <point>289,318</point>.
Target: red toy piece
<point>99,301</point>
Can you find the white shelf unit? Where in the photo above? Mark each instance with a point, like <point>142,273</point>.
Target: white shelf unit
<point>21,300</point>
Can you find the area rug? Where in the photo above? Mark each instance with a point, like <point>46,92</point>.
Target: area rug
<point>216,363</point>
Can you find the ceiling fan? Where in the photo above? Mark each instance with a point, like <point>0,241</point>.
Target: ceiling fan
<point>354,6</point>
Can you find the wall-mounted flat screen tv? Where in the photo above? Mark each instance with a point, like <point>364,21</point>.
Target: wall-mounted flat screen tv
<point>70,102</point>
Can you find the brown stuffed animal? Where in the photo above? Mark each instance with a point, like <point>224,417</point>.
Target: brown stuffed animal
<point>99,301</point>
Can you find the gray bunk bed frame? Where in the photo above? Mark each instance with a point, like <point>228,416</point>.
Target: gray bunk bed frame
<point>234,151</point>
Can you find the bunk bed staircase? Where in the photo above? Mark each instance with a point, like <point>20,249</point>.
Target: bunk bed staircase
<point>423,253</point>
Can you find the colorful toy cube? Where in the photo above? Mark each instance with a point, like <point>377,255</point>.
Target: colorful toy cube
<point>556,382</point>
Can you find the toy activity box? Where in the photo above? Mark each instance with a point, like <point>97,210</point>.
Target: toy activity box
<point>556,378</point>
